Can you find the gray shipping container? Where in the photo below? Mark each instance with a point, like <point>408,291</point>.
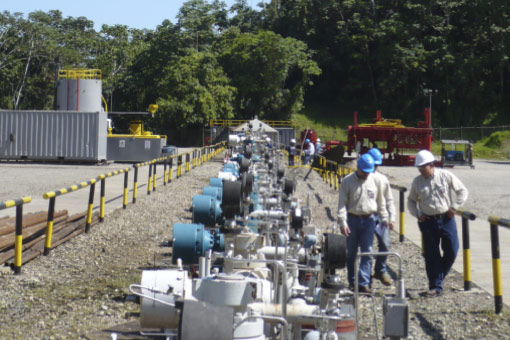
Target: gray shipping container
<point>126,148</point>
<point>53,135</point>
<point>286,134</point>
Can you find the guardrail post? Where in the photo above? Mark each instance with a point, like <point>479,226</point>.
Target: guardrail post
<point>154,177</point>
<point>466,254</point>
<point>179,166</point>
<point>402,214</point>
<point>90,207</point>
<point>165,173</point>
<point>101,200</point>
<point>18,245</point>
<point>187,162</point>
<point>496,268</point>
<point>336,176</point>
<point>49,226</point>
<point>135,184</point>
<point>125,198</point>
<point>171,169</point>
<point>149,183</point>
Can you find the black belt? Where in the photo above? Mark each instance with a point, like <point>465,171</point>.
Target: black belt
<point>438,216</point>
<point>360,216</point>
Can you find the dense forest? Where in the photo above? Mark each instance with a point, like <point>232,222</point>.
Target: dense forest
<point>327,57</point>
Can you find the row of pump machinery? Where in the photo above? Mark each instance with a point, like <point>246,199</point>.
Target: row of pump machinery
<point>252,266</point>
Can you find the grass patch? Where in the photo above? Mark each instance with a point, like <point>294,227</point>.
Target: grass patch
<point>496,146</point>
<point>326,129</point>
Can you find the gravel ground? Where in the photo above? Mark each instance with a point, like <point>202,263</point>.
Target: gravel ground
<point>81,287</point>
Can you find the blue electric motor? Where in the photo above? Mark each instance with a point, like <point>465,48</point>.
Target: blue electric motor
<point>232,168</point>
<point>191,241</point>
<point>213,191</point>
<point>206,210</point>
<point>216,182</point>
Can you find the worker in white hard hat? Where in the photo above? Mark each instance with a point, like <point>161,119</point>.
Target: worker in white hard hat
<point>430,201</point>
<point>292,151</point>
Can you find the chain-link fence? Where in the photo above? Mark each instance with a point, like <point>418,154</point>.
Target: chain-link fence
<point>471,133</point>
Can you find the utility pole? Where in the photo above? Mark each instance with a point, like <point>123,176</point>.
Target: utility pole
<point>430,93</point>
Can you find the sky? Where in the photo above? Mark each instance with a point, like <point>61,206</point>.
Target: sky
<point>133,13</point>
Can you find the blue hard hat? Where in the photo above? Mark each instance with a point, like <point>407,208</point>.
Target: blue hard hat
<point>366,163</point>
<point>376,155</point>
<point>307,140</point>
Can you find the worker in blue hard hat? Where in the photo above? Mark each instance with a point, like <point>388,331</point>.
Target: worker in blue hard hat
<point>309,151</point>
<point>382,233</point>
<point>359,200</point>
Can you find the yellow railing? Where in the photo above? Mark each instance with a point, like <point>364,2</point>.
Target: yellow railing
<point>82,73</point>
<point>235,122</point>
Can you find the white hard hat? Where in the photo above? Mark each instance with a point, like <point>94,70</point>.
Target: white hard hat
<point>268,139</point>
<point>424,157</point>
<point>318,139</point>
<point>293,141</point>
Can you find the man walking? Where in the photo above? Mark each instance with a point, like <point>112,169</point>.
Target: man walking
<point>292,151</point>
<point>309,151</point>
<point>359,200</point>
<point>382,233</point>
<point>430,201</point>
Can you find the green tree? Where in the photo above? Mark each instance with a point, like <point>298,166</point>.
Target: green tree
<point>195,90</point>
<point>118,49</point>
<point>270,73</point>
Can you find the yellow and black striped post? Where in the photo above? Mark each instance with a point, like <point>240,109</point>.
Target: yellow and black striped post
<point>49,226</point>
<point>125,196</point>
<point>91,206</point>
<point>135,183</point>
<point>496,260</point>
<point>187,162</point>
<point>179,166</point>
<point>336,176</point>
<point>101,200</point>
<point>171,169</point>
<point>466,216</point>
<point>18,245</point>
<point>18,242</point>
<point>165,173</point>
<point>149,181</point>
<point>402,207</point>
<point>154,177</point>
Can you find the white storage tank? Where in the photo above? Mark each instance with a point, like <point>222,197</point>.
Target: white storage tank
<point>79,90</point>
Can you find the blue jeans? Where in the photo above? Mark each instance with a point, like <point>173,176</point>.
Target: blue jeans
<point>383,245</point>
<point>308,158</point>
<point>437,232</point>
<point>362,236</point>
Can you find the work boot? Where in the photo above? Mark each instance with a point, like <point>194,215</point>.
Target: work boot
<point>385,278</point>
<point>432,293</point>
<point>365,290</point>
